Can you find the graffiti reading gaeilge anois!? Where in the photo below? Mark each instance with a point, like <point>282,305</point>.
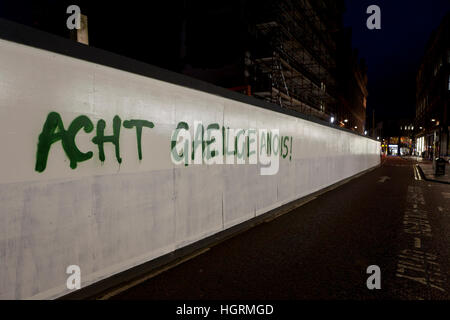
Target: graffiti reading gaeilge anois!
<point>199,150</point>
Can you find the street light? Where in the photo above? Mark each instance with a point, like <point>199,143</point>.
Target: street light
<point>332,120</point>
<point>346,120</point>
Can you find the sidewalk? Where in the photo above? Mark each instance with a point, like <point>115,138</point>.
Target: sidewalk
<point>427,169</point>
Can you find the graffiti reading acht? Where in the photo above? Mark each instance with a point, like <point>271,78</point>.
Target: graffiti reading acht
<point>54,131</point>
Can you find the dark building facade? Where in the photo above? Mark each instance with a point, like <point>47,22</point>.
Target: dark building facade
<point>352,85</point>
<point>294,53</point>
<point>433,94</point>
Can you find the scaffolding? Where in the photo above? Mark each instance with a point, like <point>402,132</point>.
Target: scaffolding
<point>293,58</point>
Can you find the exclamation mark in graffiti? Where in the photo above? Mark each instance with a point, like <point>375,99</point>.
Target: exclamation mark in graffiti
<point>290,151</point>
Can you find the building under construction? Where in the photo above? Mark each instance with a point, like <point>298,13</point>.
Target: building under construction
<point>294,53</point>
<point>293,59</point>
<point>285,52</point>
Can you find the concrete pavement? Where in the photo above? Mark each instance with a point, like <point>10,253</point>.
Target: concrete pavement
<point>427,169</point>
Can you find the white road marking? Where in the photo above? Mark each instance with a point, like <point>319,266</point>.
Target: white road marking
<point>384,179</point>
<point>417,173</point>
<point>417,243</point>
<point>418,265</point>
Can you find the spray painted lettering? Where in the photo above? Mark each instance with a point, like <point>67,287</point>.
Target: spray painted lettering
<point>54,131</point>
<point>215,145</point>
<point>211,144</point>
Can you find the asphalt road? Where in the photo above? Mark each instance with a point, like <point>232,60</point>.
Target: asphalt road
<point>322,249</point>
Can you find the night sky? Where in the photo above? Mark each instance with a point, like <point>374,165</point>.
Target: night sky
<point>393,53</point>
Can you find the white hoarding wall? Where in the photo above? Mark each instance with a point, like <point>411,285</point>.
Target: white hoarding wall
<point>61,205</point>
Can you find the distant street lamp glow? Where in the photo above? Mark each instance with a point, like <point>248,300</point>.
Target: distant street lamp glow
<point>365,133</point>
<point>332,120</point>
<point>346,120</point>
<point>433,120</point>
